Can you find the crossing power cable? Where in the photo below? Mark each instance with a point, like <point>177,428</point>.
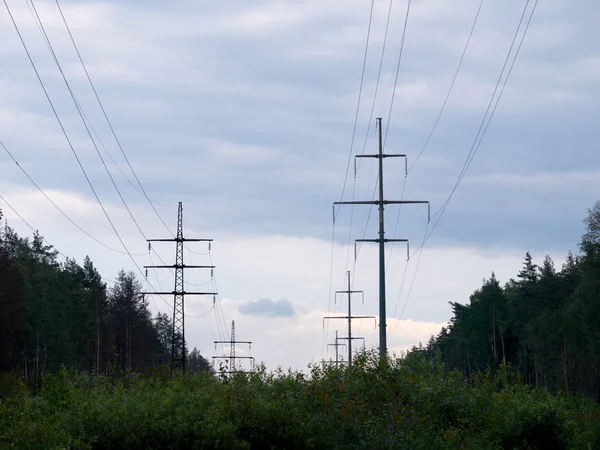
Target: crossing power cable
<point>72,148</point>
<point>65,132</point>
<point>58,207</point>
<point>143,191</point>
<point>89,127</point>
<point>79,110</point>
<point>111,127</point>
<point>108,280</point>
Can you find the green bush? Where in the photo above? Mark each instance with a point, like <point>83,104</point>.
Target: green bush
<point>401,403</point>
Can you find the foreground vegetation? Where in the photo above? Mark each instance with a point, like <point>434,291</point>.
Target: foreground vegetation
<point>408,403</point>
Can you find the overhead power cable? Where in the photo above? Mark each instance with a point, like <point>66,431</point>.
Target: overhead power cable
<point>69,141</point>
<point>59,209</point>
<point>83,118</point>
<point>360,89</point>
<point>462,57</point>
<point>421,152</point>
<point>43,238</point>
<point>480,133</point>
<point>110,125</point>
<point>488,116</point>
<point>117,140</point>
<point>400,53</point>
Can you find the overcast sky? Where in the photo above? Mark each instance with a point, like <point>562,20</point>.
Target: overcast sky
<point>244,111</point>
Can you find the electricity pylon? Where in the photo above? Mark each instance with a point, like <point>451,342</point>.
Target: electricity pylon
<point>178,352</point>
<point>349,317</point>
<point>232,356</point>
<point>381,240</point>
<point>336,345</point>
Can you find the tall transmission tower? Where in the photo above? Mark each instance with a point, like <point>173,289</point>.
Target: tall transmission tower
<point>232,356</point>
<point>349,318</point>
<point>178,352</point>
<point>336,346</point>
<point>381,240</point>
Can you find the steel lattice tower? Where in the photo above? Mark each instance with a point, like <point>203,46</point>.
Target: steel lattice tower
<point>232,356</point>
<point>178,352</point>
<point>232,351</point>
<point>178,348</point>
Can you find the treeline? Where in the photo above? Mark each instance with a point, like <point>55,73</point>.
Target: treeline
<point>62,314</point>
<point>545,323</point>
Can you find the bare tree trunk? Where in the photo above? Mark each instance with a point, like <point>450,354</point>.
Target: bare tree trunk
<point>494,350</point>
<point>37,357</point>
<point>97,361</point>
<point>25,364</point>
<point>470,371</point>
<point>502,341</point>
<point>127,343</point>
<point>565,362</point>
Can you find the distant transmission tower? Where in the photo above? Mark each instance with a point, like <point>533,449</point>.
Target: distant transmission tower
<point>232,356</point>
<point>381,240</point>
<point>336,346</point>
<point>349,317</point>
<point>178,352</point>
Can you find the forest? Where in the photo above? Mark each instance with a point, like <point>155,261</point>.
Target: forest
<point>55,315</point>
<point>545,323</point>
<point>83,366</point>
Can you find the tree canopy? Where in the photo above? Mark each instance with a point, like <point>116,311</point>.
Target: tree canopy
<point>546,322</point>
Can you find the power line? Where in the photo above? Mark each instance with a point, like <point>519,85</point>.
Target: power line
<point>400,52</point>
<point>483,127</point>
<point>81,115</point>
<point>387,26</point>
<point>58,208</point>
<point>437,120</point>
<point>478,138</point>
<point>79,110</point>
<point>83,118</point>
<point>43,238</point>
<point>66,135</point>
<point>143,191</point>
<point>399,59</point>
<point>359,98</point>
<point>69,140</point>
<point>362,76</point>
<point>421,152</point>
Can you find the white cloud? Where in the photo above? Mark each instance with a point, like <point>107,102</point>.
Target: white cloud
<point>573,181</point>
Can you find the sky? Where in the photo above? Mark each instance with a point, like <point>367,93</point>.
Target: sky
<point>246,113</point>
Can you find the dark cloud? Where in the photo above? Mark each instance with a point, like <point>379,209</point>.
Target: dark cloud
<point>269,308</point>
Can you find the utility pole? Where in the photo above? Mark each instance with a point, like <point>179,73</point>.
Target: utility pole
<point>349,317</point>
<point>178,353</point>
<point>381,240</point>
<point>336,345</point>
<point>232,356</point>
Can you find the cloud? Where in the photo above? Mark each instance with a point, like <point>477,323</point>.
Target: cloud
<point>244,111</point>
<point>269,308</point>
